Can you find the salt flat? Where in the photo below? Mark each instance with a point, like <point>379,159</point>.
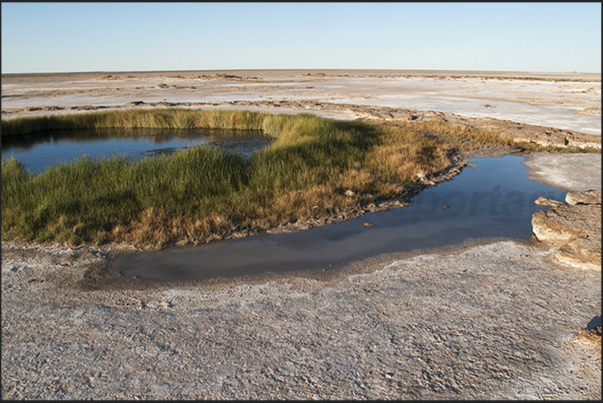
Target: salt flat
<point>569,101</point>
<point>497,320</point>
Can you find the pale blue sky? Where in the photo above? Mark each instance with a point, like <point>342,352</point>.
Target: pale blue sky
<point>76,37</point>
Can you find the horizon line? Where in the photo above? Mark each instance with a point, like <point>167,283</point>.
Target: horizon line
<point>408,71</point>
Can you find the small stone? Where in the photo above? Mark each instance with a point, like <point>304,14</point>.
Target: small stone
<point>587,197</point>
<point>545,201</point>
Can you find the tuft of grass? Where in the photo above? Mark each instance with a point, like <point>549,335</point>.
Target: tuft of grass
<point>202,194</point>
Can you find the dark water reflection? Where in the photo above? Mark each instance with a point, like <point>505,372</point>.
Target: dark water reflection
<point>494,199</point>
<point>39,151</point>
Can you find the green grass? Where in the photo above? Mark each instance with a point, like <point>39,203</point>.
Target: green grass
<point>201,194</point>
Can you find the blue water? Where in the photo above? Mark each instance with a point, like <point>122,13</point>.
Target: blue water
<point>38,152</point>
<point>494,199</point>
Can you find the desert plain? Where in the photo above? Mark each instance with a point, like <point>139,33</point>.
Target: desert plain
<point>501,319</point>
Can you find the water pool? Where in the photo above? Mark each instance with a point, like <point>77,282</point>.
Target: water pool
<point>492,199</point>
<point>42,150</point>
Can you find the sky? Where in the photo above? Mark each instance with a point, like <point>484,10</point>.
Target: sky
<point>120,37</point>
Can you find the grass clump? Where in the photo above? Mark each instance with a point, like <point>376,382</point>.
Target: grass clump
<point>169,118</point>
<point>202,194</point>
<point>113,199</point>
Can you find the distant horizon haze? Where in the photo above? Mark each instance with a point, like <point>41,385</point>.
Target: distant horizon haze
<point>334,70</point>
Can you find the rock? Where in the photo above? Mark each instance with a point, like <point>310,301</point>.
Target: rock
<point>587,197</point>
<point>349,193</point>
<point>592,333</point>
<point>545,201</point>
<point>573,229</point>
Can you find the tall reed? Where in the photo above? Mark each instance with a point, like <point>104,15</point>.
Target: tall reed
<point>169,118</point>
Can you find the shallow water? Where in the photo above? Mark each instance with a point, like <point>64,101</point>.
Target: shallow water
<point>38,152</point>
<point>493,199</point>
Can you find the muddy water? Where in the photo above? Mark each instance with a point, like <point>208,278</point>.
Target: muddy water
<point>493,198</point>
<point>42,150</point>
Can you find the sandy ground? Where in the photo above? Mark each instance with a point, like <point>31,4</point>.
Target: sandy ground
<point>497,320</point>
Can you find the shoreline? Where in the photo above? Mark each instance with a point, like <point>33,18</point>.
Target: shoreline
<point>94,278</point>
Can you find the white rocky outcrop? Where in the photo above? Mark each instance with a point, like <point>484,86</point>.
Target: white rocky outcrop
<point>572,228</point>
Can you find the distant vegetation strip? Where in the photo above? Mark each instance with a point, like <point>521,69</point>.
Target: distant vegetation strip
<point>314,167</point>
<point>137,118</point>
